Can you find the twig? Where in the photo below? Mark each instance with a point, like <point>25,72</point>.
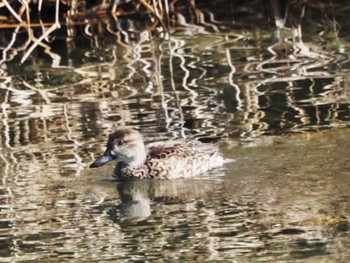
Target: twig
<point>40,3</point>
<point>147,5</point>
<point>26,6</point>
<point>55,26</point>
<point>12,11</point>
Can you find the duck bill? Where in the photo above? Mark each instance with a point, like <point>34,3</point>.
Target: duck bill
<point>105,158</point>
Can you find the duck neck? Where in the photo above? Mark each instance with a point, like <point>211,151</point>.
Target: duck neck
<point>139,158</point>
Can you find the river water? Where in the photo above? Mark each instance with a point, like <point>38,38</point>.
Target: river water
<point>278,107</point>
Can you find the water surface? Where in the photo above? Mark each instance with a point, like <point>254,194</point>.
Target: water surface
<point>279,107</point>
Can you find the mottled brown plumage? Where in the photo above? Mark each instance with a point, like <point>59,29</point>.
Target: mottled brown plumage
<point>165,161</point>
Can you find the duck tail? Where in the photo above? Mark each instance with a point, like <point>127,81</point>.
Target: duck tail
<point>220,160</point>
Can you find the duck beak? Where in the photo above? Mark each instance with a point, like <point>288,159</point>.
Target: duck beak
<point>105,158</point>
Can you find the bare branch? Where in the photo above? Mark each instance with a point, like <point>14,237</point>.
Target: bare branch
<point>12,11</point>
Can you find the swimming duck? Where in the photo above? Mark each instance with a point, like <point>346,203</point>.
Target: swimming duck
<point>162,161</point>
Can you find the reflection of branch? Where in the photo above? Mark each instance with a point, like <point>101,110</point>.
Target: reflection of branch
<point>231,82</point>
<point>14,35</point>
<point>78,159</point>
<point>173,86</point>
<point>55,26</point>
<point>41,92</point>
<point>5,120</point>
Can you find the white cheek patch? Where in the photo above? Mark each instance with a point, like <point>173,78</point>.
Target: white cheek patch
<point>113,152</point>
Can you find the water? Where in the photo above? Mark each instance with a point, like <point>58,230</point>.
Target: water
<point>285,199</point>
<point>282,114</point>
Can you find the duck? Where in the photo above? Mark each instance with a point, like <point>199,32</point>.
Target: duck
<point>168,160</point>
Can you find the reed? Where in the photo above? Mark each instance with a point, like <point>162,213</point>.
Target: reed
<point>53,14</point>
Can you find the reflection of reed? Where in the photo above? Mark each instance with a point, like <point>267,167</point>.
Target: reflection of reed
<point>95,104</point>
<point>199,86</point>
<point>38,217</point>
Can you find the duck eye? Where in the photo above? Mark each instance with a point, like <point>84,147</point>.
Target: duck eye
<point>121,142</point>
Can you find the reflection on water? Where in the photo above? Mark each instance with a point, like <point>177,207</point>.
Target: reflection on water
<point>136,196</point>
<point>283,200</point>
<point>255,90</point>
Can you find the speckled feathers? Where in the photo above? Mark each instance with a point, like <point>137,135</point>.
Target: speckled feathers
<point>166,161</point>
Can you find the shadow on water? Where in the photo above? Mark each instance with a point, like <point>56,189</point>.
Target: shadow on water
<point>275,95</point>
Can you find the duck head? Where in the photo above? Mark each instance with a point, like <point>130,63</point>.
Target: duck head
<point>124,145</point>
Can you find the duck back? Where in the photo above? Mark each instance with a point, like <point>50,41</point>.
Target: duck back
<point>174,161</point>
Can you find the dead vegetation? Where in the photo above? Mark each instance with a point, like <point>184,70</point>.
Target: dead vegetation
<point>153,16</point>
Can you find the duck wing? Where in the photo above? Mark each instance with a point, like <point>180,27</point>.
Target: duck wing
<point>181,160</point>
<point>164,152</point>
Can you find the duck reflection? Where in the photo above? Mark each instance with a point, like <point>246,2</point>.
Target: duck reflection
<point>139,196</point>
